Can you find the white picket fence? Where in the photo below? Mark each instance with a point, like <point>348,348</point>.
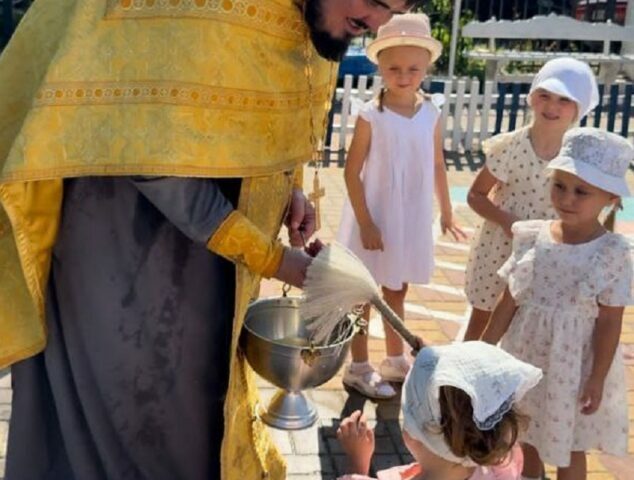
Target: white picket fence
<point>470,116</point>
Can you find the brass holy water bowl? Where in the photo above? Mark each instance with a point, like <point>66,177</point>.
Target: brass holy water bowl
<point>277,345</point>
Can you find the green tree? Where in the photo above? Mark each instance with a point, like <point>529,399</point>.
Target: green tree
<point>440,14</point>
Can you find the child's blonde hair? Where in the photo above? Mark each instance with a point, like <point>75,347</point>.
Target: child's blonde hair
<point>610,219</point>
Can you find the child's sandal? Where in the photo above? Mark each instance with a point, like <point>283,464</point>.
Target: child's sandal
<point>368,383</point>
<point>394,371</point>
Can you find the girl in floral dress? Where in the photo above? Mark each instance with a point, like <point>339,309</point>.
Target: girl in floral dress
<point>568,282</point>
<point>513,185</point>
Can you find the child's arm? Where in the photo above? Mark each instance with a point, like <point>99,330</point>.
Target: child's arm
<point>442,188</point>
<point>478,200</point>
<point>500,318</point>
<point>357,153</point>
<point>605,339</point>
<point>357,440</point>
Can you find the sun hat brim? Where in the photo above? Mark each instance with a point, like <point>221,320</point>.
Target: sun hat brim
<point>556,86</point>
<point>591,174</point>
<point>379,44</point>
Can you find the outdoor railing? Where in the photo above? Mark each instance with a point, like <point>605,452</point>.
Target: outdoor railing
<point>473,112</point>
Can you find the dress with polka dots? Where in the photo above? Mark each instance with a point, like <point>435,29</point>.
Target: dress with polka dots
<point>523,190</point>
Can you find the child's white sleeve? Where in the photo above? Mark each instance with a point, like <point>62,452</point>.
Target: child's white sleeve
<point>616,277</point>
<point>368,110</point>
<point>497,153</point>
<point>517,271</point>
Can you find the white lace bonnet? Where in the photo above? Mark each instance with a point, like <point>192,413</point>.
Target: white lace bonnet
<point>492,378</point>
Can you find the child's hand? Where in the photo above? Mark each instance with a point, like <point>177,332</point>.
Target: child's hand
<point>591,396</point>
<point>371,237</point>
<point>357,440</point>
<point>448,225</point>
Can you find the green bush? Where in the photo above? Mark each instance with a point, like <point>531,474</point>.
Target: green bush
<point>440,14</point>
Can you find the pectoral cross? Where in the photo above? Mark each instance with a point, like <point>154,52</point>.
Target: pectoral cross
<point>317,193</point>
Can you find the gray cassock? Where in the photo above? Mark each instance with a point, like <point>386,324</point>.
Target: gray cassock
<point>132,382</point>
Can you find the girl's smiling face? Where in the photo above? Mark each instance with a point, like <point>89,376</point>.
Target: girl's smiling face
<point>552,109</point>
<point>577,202</point>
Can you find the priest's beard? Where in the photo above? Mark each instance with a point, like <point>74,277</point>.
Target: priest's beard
<point>329,47</point>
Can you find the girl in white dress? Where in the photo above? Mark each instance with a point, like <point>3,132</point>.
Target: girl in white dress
<point>568,282</point>
<point>513,185</point>
<point>394,164</point>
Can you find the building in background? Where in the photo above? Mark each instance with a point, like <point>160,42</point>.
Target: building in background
<point>601,10</point>
<point>588,10</point>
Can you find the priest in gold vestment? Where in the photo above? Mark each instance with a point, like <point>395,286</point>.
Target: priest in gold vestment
<point>149,152</point>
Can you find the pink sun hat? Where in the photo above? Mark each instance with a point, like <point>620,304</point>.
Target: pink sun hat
<point>408,29</point>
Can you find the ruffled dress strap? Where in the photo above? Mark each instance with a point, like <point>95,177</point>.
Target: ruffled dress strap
<point>369,110</point>
<point>517,271</point>
<point>609,280</point>
<point>499,151</point>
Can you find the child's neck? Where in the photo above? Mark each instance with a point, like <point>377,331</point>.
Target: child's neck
<point>444,470</point>
<point>406,105</point>
<point>576,234</point>
<point>546,141</point>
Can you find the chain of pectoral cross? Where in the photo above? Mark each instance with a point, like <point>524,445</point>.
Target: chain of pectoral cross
<point>318,191</point>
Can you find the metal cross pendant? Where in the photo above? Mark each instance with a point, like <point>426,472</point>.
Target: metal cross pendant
<point>317,193</point>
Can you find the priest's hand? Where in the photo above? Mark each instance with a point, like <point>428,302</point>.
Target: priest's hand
<point>300,219</point>
<point>314,247</point>
<point>292,269</point>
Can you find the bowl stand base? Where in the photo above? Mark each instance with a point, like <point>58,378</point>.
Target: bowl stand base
<point>289,411</point>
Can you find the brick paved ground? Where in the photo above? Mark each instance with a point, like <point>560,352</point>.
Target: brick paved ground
<point>435,313</point>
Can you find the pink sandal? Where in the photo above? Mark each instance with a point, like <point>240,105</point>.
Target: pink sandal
<point>368,383</point>
<point>394,371</point>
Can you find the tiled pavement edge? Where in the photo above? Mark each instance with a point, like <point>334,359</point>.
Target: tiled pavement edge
<point>313,453</point>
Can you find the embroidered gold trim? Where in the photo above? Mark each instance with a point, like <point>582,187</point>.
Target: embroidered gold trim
<point>241,241</point>
<point>172,93</point>
<point>150,170</point>
<point>265,16</point>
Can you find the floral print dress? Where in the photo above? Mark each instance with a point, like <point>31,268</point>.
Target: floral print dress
<point>558,288</point>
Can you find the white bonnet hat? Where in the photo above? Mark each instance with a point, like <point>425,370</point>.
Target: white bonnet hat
<point>408,29</point>
<point>597,157</point>
<point>570,78</point>
<point>492,378</point>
